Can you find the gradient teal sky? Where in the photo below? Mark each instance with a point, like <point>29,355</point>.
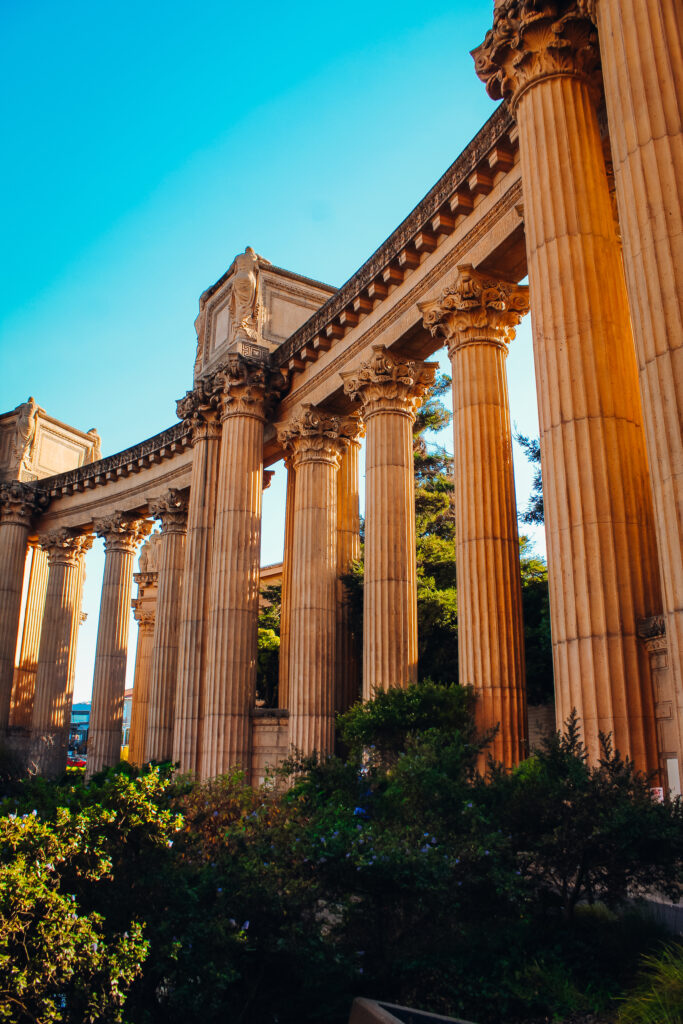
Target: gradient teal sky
<point>146,144</point>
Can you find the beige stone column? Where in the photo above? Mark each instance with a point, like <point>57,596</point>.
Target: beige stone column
<point>235,576</point>
<point>389,388</point>
<point>602,561</point>
<point>476,315</point>
<point>25,672</point>
<point>57,659</point>
<point>122,533</point>
<point>315,440</point>
<point>348,681</point>
<point>171,509</point>
<point>641,45</point>
<point>18,503</point>
<point>139,711</point>
<point>286,599</point>
<point>199,409</point>
<point>144,610</point>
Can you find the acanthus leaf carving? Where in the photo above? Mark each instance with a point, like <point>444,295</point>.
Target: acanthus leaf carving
<point>65,546</point>
<point>171,509</point>
<point>476,307</point>
<point>20,502</point>
<point>317,435</point>
<point>535,39</point>
<point>122,531</point>
<point>388,381</point>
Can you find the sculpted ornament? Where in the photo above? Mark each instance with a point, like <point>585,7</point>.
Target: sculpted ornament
<point>24,436</point>
<point>122,531</point>
<point>315,435</point>
<point>244,304</point>
<point>94,454</point>
<point>171,509</point>
<point>246,387</point>
<point>65,546</point>
<point>144,615</point>
<point>535,39</point>
<point>19,502</point>
<point>388,382</point>
<point>149,555</point>
<point>475,308</point>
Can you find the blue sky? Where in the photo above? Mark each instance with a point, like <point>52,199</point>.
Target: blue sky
<point>146,144</point>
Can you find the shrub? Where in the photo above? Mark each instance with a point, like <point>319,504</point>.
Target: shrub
<point>658,998</point>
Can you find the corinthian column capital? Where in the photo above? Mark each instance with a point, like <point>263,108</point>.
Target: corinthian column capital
<point>243,388</point>
<point>535,39</point>
<point>388,382</point>
<point>64,546</point>
<point>171,510</point>
<point>199,409</point>
<point>476,308</point>
<point>19,502</point>
<point>122,531</point>
<point>144,614</point>
<point>318,436</point>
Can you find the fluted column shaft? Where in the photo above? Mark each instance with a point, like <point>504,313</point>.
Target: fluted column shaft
<point>602,563</point>
<point>17,504</point>
<point>235,575</point>
<point>477,315</point>
<point>171,509</point>
<point>389,388</point>
<point>315,440</point>
<point>641,45</point>
<point>140,707</point>
<point>194,606</point>
<point>25,672</point>
<point>122,535</point>
<point>57,659</point>
<point>347,686</point>
<point>286,598</point>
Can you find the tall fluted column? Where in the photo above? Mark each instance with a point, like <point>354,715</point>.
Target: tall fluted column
<point>18,503</point>
<point>286,598</point>
<point>347,684</point>
<point>641,45</point>
<point>144,610</point>
<point>25,672</point>
<point>199,408</point>
<point>235,577</point>
<point>389,388</point>
<point>602,561</point>
<point>476,315</point>
<point>121,533</point>
<point>57,659</point>
<point>171,509</point>
<point>139,711</point>
<point>316,441</point>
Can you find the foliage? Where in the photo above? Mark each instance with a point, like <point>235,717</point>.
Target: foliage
<point>540,685</point>
<point>268,641</point>
<point>58,961</point>
<point>658,997</point>
<point>534,514</point>
<point>587,833</point>
<point>397,871</point>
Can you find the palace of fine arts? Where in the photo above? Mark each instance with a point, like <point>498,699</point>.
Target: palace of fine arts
<point>291,726</point>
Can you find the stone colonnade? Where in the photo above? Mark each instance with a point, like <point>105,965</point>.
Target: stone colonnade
<point>608,336</point>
